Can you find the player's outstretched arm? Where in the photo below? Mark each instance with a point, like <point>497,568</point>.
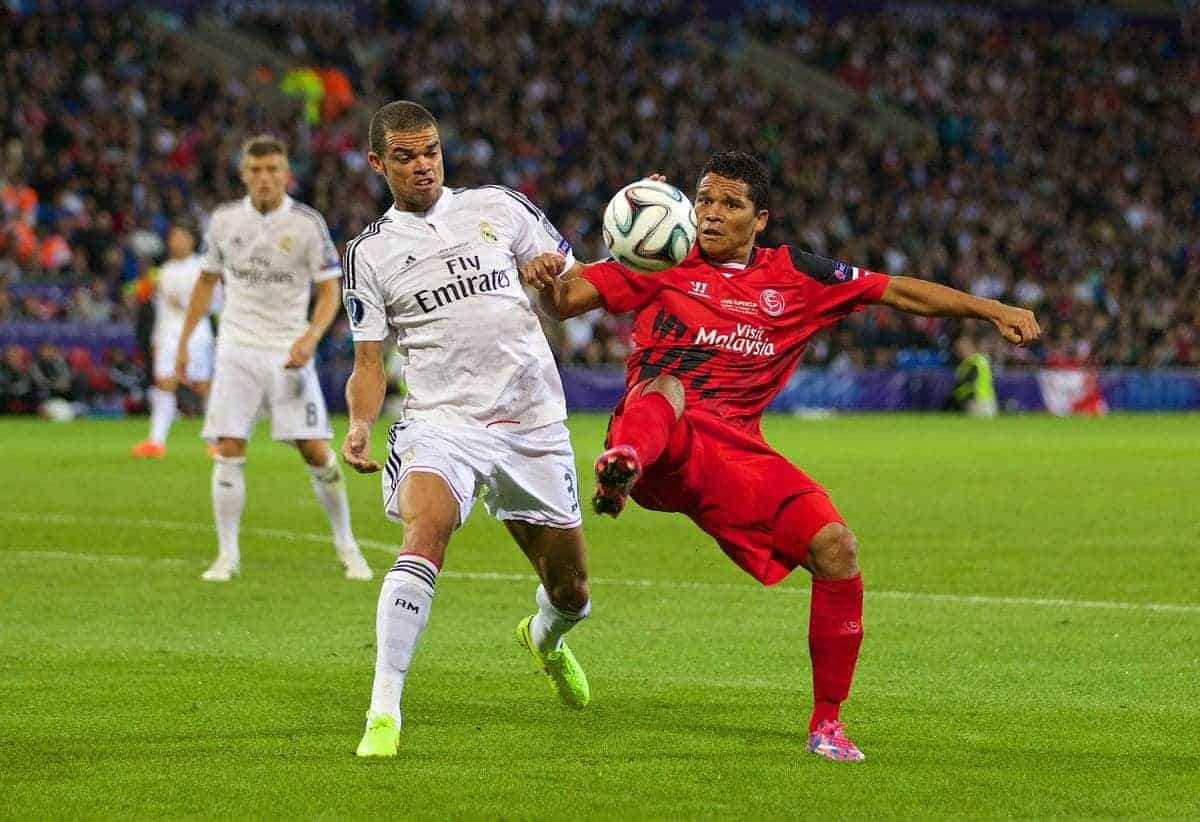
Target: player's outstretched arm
<point>365,391</point>
<point>197,308</point>
<point>1017,325</point>
<point>561,294</point>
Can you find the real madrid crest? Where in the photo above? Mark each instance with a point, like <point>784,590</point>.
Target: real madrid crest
<point>287,244</point>
<point>488,233</point>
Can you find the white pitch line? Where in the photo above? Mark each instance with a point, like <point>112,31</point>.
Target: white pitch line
<point>297,536</point>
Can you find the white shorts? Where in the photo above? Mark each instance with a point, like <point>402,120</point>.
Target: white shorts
<point>250,382</point>
<point>523,475</point>
<point>201,348</point>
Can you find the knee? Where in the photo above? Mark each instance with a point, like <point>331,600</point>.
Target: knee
<point>671,388</point>
<point>569,594</point>
<point>314,452</point>
<point>833,552</point>
<point>231,448</point>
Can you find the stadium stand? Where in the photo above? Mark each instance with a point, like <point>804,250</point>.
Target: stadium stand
<point>1060,172</point>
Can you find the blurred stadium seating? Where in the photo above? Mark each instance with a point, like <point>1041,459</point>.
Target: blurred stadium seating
<point>1046,158</point>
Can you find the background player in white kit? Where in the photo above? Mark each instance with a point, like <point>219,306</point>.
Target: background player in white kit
<point>271,252</point>
<point>484,409</point>
<point>176,279</point>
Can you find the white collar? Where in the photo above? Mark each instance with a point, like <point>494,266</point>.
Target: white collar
<point>283,208</point>
<point>437,209</point>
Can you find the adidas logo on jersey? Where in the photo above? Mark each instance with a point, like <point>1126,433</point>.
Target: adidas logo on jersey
<point>430,299</point>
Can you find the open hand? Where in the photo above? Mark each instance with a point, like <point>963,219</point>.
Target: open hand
<point>356,449</point>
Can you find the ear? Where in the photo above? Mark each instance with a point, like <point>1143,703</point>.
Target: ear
<point>760,222</point>
<point>376,162</point>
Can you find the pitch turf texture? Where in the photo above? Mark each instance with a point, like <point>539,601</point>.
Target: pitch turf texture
<point>1032,646</point>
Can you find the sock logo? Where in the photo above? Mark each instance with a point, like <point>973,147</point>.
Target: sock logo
<point>401,602</point>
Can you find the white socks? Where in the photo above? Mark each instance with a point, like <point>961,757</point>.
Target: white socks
<point>550,623</point>
<point>331,492</point>
<point>162,414</point>
<point>400,616</point>
<point>229,496</point>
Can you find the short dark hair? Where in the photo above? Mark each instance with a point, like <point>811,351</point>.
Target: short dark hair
<point>398,115</point>
<point>186,224</point>
<point>264,145</point>
<point>738,165</point>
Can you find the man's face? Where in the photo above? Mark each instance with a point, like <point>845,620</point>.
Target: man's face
<point>265,177</point>
<point>727,219</point>
<point>412,165</point>
<point>180,243</point>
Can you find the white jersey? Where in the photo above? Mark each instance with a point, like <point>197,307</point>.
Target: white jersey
<point>176,279</point>
<point>446,282</point>
<point>269,263</point>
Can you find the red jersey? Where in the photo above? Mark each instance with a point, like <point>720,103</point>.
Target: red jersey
<point>732,334</point>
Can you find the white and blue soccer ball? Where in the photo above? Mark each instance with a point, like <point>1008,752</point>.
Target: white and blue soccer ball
<point>649,226</point>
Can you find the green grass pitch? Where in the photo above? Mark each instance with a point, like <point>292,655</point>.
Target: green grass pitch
<point>1032,647</point>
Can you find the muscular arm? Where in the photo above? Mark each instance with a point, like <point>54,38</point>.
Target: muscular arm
<point>914,296</point>
<point>562,295</point>
<point>365,391</point>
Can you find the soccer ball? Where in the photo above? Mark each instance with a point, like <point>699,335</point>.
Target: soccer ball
<point>56,409</point>
<point>649,226</point>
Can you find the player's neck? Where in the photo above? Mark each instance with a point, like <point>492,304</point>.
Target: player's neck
<point>266,206</point>
<point>739,256</point>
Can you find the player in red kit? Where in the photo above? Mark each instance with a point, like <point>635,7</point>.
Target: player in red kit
<point>715,339</point>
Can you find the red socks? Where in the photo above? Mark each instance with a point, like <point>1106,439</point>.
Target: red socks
<point>834,636</point>
<point>645,423</point>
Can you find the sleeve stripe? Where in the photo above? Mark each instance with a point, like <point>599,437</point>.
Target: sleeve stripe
<point>522,199</point>
<point>314,215</point>
<point>349,275</point>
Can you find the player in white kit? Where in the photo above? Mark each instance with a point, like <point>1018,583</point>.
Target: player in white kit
<point>271,253</point>
<point>176,279</point>
<point>484,412</point>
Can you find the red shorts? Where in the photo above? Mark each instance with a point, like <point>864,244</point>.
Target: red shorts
<point>762,510</point>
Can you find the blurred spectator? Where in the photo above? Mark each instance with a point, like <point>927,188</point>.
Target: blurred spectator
<point>126,377</point>
<point>16,384</point>
<point>1059,173</point>
<point>51,375</point>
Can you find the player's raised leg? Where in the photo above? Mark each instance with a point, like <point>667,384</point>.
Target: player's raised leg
<point>637,438</point>
<point>563,601</point>
<point>228,499</point>
<point>835,629</point>
<point>430,514</point>
<point>330,488</point>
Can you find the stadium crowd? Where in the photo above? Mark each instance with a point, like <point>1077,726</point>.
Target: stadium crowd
<point>1060,171</point>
